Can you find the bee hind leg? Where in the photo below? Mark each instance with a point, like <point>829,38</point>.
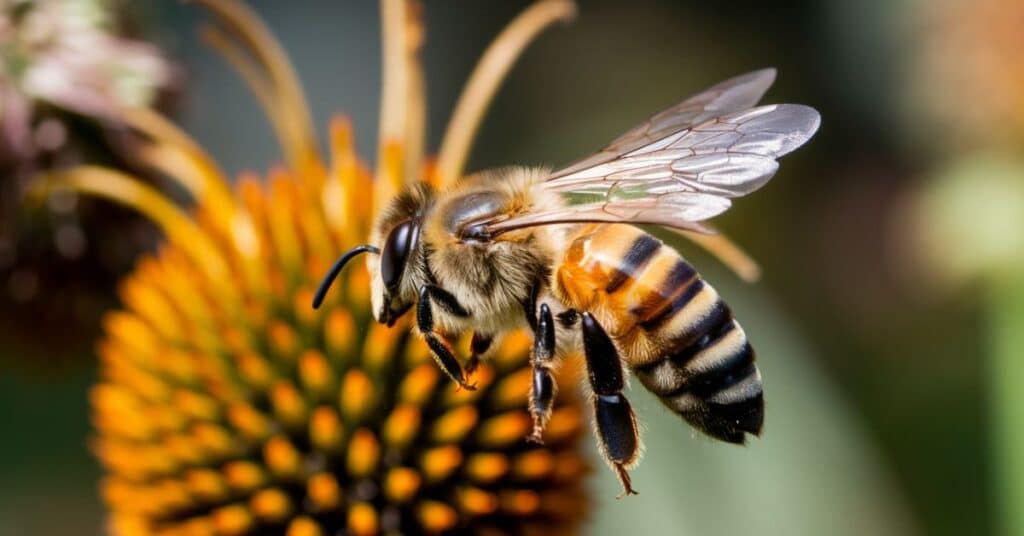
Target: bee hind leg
<point>542,394</point>
<point>440,348</point>
<point>617,430</point>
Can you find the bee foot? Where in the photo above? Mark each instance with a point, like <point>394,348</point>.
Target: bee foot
<point>627,482</point>
<point>464,385</point>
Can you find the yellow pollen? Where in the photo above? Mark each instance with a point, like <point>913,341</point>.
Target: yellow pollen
<point>477,501</point>
<point>437,463</point>
<point>305,314</point>
<point>357,394</point>
<point>213,439</point>
<point>503,430</point>
<point>236,339</point>
<point>198,526</point>
<point>362,519</point>
<point>282,222</point>
<point>207,484</point>
<point>323,491</point>
<point>417,353</point>
<point>521,502</point>
<point>363,452</point>
<point>255,370</point>
<point>271,505</point>
<point>419,384</point>
<point>316,373</point>
<point>184,450</point>
<point>283,340</point>
<point>514,390</point>
<point>131,332</point>
<point>251,423</point>
<point>513,347</point>
<point>303,526</point>
<point>380,344</point>
<point>325,429</point>
<point>533,464</point>
<point>402,424</point>
<point>244,476</point>
<point>569,467</point>
<point>436,516</point>
<point>232,520</point>
<point>565,423</point>
<point>195,405</point>
<point>487,467</point>
<point>339,333</point>
<point>454,425</point>
<point>289,406</point>
<point>282,458</point>
<point>401,483</point>
<point>358,290</point>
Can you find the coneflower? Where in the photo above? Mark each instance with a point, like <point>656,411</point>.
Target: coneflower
<point>226,405</point>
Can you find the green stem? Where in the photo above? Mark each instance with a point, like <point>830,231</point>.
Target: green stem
<point>1006,343</point>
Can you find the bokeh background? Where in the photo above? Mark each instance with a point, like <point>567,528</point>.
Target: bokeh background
<point>884,320</point>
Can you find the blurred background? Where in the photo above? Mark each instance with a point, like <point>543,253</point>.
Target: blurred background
<point>887,320</point>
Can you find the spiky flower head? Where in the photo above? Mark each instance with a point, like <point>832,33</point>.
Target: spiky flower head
<point>226,405</point>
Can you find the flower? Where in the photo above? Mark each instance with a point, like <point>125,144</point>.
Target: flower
<point>226,405</point>
<point>60,52</point>
<point>64,74</point>
<point>966,75</point>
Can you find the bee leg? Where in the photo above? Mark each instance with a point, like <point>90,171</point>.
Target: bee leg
<point>542,396</point>
<point>479,346</point>
<point>439,347</point>
<point>616,425</point>
<point>530,307</point>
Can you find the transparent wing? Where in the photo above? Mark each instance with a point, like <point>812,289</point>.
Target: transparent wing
<point>737,93</point>
<point>675,172</point>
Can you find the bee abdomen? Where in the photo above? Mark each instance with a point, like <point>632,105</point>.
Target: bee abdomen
<point>707,373</point>
<point>676,333</point>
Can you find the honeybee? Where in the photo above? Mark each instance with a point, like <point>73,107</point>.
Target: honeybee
<point>558,252</point>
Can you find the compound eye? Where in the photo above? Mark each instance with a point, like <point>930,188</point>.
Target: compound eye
<point>397,247</point>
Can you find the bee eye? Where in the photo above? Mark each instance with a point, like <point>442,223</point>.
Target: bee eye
<point>397,247</point>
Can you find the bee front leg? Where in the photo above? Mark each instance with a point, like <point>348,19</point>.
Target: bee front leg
<point>542,395</point>
<point>530,306</point>
<point>441,350</point>
<point>616,425</point>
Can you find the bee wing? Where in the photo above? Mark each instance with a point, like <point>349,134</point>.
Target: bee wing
<point>737,93</point>
<point>684,165</point>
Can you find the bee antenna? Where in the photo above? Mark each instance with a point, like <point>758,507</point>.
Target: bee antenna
<point>325,283</point>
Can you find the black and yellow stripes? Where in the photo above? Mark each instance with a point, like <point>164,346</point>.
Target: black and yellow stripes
<point>640,251</point>
<point>674,330</point>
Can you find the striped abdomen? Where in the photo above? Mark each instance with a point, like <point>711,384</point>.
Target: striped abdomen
<point>672,329</point>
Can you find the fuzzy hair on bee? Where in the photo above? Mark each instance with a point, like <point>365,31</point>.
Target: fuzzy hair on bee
<point>559,253</point>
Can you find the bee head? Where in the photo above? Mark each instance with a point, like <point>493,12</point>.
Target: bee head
<point>398,266</point>
<point>397,275</point>
<point>393,292</point>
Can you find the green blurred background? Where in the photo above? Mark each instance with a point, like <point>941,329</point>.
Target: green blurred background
<point>879,362</point>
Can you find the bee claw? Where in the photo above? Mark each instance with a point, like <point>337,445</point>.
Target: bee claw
<point>627,482</point>
<point>465,385</point>
<point>626,493</point>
